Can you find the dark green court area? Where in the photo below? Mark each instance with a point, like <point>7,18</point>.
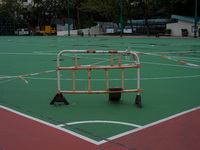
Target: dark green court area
<point>169,87</point>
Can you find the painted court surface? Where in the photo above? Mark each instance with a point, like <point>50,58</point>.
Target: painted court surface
<point>170,79</point>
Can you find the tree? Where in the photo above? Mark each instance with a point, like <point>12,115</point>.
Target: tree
<point>62,11</point>
<point>13,9</point>
<point>164,9</point>
<point>42,12</point>
<point>86,12</point>
<point>142,9</point>
<point>109,9</point>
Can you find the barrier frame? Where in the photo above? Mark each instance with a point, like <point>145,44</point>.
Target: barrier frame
<point>60,98</point>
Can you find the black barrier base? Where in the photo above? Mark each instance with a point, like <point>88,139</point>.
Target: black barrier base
<point>138,101</point>
<point>59,98</point>
<point>114,96</point>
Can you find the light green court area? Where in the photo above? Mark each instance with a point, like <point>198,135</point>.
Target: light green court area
<point>169,87</point>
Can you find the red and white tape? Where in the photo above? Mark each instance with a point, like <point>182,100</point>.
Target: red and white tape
<point>21,76</point>
<point>194,65</point>
<point>93,51</point>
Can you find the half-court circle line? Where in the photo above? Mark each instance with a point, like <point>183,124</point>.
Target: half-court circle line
<point>101,121</point>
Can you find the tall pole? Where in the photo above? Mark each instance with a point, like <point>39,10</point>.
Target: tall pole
<point>195,21</point>
<point>121,20</point>
<point>69,18</point>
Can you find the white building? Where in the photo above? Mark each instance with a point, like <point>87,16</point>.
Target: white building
<point>183,23</point>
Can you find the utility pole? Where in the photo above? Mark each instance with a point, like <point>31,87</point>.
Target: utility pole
<point>196,19</point>
<point>121,20</point>
<point>69,18</point>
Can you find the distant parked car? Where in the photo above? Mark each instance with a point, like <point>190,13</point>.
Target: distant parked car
<point>23,31</point>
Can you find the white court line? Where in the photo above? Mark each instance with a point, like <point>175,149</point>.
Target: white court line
<point>101,121</point>
<point>51,125</point>
<point>149,125</point>
<point>7,80</point>
<point>39,53</point>
<point>155,78</point>
<point>34,53</point>
<point>55,54</point>
<point>103,141</point>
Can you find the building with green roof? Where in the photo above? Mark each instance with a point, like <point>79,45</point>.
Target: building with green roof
<point>183,23</point>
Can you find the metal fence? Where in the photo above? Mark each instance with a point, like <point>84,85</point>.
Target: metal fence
<point>7,26</point>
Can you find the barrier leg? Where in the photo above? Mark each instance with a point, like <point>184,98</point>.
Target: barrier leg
<point>59,98</point>
<point>138,100</point>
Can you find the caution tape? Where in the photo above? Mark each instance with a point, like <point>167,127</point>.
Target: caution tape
<point>194,65</point>
<point>26,75</point>
<point>33,74</point>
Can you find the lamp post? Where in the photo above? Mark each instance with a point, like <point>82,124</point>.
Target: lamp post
<point>195,20</point>
<point>68,18</point>
<point>121,20</point>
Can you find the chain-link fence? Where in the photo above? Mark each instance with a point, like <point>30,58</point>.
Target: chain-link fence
<point>7,26</point>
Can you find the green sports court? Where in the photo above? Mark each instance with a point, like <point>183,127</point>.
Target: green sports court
<point>169,78</point>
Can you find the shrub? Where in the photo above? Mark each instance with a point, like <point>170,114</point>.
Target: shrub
<point>184,30</point>
<point>168,30</point>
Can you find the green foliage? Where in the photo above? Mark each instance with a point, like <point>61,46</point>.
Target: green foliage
<point>168,30</point>
<point>109,9</point>
<point>184,30</point>
<point>85,13</point>
<point>4,13</point>
<point>12,9</point>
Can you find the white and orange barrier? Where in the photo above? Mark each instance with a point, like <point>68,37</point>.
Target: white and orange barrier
<point>136,64</point>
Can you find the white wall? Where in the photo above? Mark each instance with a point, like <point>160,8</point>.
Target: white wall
<point>176,28</point>
<point>74,32</point>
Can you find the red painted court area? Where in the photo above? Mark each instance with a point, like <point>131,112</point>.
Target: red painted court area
<point>20,133</point>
